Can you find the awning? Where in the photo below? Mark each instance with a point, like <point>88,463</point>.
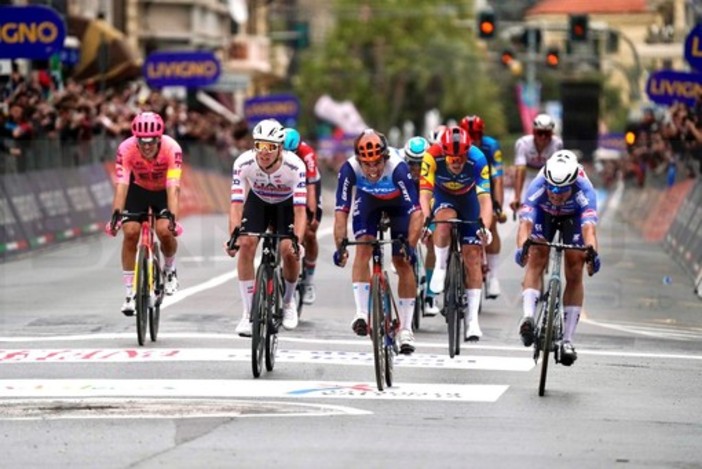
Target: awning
<point>123,63</point>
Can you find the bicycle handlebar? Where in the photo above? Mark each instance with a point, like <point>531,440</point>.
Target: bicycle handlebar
<point>232,246</point>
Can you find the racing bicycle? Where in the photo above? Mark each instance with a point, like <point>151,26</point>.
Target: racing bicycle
<point>267,307</point>
<point>384,321</point>
<point>548,331</point>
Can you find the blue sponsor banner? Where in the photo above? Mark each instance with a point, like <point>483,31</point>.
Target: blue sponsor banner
<point>612,141</point>
<point>693,47</point>
<point>283,107</point>
<point>668,87</point>
<point>192,69</point>
<point>31,32</point>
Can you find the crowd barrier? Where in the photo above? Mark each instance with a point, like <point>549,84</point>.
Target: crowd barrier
<point>47,206</point>
<point>683,240</point>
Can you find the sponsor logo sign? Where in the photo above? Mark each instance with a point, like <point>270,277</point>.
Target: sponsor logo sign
<point>32,32</point>
<point>191,69</point>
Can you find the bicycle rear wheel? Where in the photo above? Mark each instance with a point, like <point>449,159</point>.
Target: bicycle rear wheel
<point>452,303</point>
<point>553,293</point>
<point>259,322</point>
<point>420,279</point>
<point>377,334</point>
<point>142,293</point>
<point>390,348</point>
<point>155,311</point>
<point>274,305</point>
<point>300,291</point>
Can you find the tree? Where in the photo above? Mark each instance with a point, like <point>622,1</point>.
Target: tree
<point>396,61</point>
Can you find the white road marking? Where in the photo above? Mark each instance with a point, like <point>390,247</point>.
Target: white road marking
<point>162,408</point>
<point>331,342</point>
<point>114,355</point>
<point>654,330</point>
<point>221,388</point>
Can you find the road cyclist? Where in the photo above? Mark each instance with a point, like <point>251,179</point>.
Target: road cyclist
<point>456,175</point>
<point>560,197</point>
<point>475,126</point>
<point>382,183</point>
<point>148,170</point>
<point>306,152</point>
<point>268,191</point>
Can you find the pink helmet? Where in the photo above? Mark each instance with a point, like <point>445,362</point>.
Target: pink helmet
<point>147,124</point>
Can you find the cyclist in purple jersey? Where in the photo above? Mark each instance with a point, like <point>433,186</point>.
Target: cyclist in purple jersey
<point>561,197</point>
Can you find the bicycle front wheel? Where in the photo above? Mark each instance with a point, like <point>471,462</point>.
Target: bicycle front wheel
<point>452,303</point>
<point>553,294</point>
<point>141,279</point>
<point>377,335</point>
<point>259,322</point>
<point>390,348</point>
<point>155,311</point>
<point>275,307</point>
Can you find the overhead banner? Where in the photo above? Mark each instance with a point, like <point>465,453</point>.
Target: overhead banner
<point>668,87</point>
<point>30,32</point>
<point>191,69</point>
<point>283,107</point>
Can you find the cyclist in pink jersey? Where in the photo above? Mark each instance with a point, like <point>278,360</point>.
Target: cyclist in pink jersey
<point>147,174</point>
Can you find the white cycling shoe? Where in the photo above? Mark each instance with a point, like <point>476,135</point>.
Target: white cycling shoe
<point>493,288</point>
<point>171,285</point>
<point>437,280</point>
<point>244,327</point>
<point>309,295</point>
<point>290,315</point>
<point>129,306</point>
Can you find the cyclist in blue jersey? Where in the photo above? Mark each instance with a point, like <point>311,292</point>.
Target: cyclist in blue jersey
<point>475,126</point>
<point>456,175</point>
<point>414,153</point>
<point>383,184</point>
<point>560,197</point>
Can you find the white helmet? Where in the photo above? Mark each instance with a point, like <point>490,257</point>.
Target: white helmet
<point>435,134</point>
<point>269,130</point>
<point>562,168</point>
<point>544,122</point>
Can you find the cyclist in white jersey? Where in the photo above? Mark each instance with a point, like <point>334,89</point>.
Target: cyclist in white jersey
<point>531,153</point>
<point>268,191</point>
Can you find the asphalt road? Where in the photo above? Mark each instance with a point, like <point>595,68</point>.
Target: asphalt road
<point>77,391</point>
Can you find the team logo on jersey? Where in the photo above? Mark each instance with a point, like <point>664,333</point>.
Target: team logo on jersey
<point>485,173</point>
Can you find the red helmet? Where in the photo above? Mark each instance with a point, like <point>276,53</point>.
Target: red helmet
<point>474,125</point>
<point>370,146</point>
<point>455,141</point>
<point>147,125</point>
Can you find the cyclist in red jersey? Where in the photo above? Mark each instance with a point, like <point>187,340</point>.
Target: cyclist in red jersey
<point>307,154</point>
<point>147,174</point>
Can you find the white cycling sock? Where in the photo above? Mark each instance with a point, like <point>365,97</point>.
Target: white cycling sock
<point>571,317</point>
<point>406,310</point>
<point>529,298</point>
<point>361,293</point>
<point>473,295</point>
<point>441,257</point>
<point>246,289</point>
<point>492,260</point>
<point>169,263</point>
<point>289,291</point>
<point>128,281</point>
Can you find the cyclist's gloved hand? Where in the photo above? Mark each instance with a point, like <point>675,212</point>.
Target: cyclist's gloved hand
<point>340,257</point>
<point>178,230</point>
<point>165,213</point>
<point>115,223</point>
<point>519,256</point>
<point>410,254</point>
<point>596,264</point>
<point>485,235</point>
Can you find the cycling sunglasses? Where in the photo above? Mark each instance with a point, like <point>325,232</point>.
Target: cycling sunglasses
<point>451,159</point>
<point>266,146</point>
<point>557,190</point>
<point>147,141</point>
<point>543,133</point>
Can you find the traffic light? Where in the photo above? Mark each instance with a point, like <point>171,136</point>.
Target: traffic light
<point>577,28</point>
<point>486,24</point>
<point>553,57</point>
<point>507,57</point>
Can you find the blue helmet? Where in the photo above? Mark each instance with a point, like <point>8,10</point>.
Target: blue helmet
<point>292,139</point>
<point>415,148</point>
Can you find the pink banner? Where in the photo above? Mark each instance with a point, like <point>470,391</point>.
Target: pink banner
<point>528,101</point>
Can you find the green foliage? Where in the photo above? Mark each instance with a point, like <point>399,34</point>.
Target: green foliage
<point>397,59</point>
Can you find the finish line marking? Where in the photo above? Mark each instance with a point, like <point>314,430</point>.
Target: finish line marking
<point>133,355</point>
<point>220,388</point>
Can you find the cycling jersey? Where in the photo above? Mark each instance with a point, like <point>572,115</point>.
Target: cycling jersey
<point>581,208</point>
<point>393,183</point>
<point>493,153</point>
<point>435,173</point>
<point>287,181</point>
<point>156,174</point>
<point>526,154</point>
<point>308,155</point>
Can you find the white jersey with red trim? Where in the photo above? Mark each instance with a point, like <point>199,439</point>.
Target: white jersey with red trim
<point>526,154</point>
<point>287,181</point>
